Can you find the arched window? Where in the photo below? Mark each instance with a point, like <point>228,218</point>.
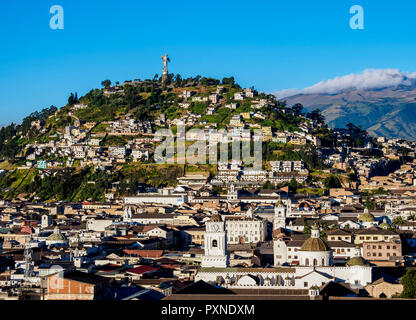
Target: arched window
<point>214,243</point>
<point>323,261</point>
<point>307,262</point>
<point>315,262</point>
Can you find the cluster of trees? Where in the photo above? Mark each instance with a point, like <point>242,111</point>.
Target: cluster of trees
<point>409,284</point>
<point>73,99</point>
<point>332,181</point>
<point>10,145</point>
<point>306,153</point>
<point>148,176</point>
<point>65,185</point>
<point>60,186</point>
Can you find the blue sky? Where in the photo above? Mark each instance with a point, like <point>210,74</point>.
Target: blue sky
<point>272,45</point>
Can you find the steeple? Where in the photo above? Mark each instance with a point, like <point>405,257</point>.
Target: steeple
<point>315,231</point>
<point>279,215</point>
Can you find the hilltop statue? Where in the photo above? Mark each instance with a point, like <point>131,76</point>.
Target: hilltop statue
<point>165,59</point>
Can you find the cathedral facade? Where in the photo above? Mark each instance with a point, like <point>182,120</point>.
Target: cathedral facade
<point>315,269</point>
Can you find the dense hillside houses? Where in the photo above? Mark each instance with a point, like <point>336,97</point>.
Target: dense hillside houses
<point>87,210</point>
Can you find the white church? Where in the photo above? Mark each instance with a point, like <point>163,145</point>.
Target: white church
<point>315,269</point>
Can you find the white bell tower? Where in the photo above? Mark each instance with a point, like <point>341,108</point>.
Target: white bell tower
<point>279,216</point>
<point>215,242</point>
<point>232,194</point>
<point>128,214</point>
<point>46,221</point>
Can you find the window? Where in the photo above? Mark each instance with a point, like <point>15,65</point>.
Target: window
<point>368,247</point>
<point>307,262</point>
<point>394,247</point>
<point>379,254</point>
<point>388,247</point>
<point>379,246</point>
<point>214,243</point>
<point>374,238</point>
<point>315,262</point>
<point>388,254</point>
<point>368,254</point>
<point>305,284</point>
<point>323,262</point>
<point>374,247</point>
<point>374,254</point>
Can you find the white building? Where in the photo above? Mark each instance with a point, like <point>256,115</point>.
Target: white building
<point>316,267</point>
<point>215,244</point>
<point>245,230</point>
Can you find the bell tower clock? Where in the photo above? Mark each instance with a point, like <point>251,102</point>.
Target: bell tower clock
<point>215,241</point>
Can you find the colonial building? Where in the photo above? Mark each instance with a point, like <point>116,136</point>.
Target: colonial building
<point>315,269</point>
<point>215,244</point>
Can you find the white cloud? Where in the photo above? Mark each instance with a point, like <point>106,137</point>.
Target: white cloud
<point>368,79</point>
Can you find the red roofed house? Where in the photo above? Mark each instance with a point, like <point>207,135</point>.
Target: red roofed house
<point>149,254</point>
<point>138,272</point>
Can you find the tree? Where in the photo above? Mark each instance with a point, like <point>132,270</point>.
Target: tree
<point>229,80</point>
<point>398,221</point>
<point>371,204</point>
<point>309,155</point>
<point>316,116</point>
<point>409,284</point>
<point>73,98</point>
<point>268,185</point>
<point>293,186</point>
<point>106,83</point>
<point>332,181</point>
<point>306,228</point>
<point>297,109</point>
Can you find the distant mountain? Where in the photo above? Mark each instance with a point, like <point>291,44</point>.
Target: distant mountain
<point>388,111</point>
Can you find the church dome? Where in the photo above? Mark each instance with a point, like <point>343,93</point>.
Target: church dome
<point>56,235</point>
<point>215,218</point>
<point>315,243</point>
<point>357,261</point>
<point>384,224</point>
<point>366,217</point>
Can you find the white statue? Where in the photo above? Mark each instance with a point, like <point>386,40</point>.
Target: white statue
<point>165,59</point>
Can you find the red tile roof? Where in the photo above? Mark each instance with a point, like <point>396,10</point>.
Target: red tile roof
<point>141,269</point>
<point>145,253</point>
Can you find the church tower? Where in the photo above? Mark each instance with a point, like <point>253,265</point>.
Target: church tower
<point>232,194</point>
<point>215,242</point>
<point>46,221</point>
<point>128,215</point>
<point>279,216</point>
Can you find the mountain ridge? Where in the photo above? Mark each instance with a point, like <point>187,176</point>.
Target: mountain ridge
<point>388,111</point>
